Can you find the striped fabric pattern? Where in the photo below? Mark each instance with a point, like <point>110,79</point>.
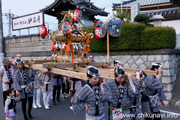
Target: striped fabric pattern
<point>18,81</point>
<point>112,92</point>
<point>86,96</point>
<point>152,84</point>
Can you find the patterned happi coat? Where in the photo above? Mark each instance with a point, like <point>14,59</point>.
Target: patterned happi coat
<point>112,92</point>
<point>87,96</point>
<point>19,81</point>
<point>153,86</point>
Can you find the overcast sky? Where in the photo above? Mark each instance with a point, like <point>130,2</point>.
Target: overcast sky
<point>24,7</point>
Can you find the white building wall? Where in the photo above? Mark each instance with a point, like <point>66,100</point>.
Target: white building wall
<point>176,25</point>
<point>173,23</point>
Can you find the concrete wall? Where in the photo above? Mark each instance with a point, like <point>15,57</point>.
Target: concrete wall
<point>28,46</point>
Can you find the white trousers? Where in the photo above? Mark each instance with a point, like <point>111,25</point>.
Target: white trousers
<point>46,97</point>
<point>36,97</point>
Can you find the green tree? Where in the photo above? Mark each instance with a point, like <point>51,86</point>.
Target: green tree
<point>140,18</point>
<point>124,14</point>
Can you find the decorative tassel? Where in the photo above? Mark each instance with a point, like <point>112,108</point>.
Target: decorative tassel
<point>68,48</point>
<point>88,48</point>
<point>52,49</point>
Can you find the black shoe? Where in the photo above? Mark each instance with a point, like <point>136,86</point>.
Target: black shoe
<point>26,118</point>
<point>58,100</point>
<point>30,116</point>
<point>54,102</point>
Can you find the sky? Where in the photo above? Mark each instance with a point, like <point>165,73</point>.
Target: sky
<point>24,7</point>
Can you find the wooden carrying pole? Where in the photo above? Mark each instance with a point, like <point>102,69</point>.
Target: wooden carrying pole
<point>68,69</point>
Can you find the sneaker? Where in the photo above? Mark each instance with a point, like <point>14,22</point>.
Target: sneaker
<point>39,106</point>
<point>35,107</point>
<point>71,107</point>
<point>46,107</point>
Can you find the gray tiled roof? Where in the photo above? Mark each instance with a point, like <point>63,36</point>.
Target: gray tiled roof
<point>56,3</point>
<point>141,2</point>
<point>166,13</point>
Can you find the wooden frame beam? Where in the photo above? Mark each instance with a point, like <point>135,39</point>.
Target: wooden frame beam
<point>67,69</point>
<point>130,70</point>
<point>36,61</point>
<point>63,65</point>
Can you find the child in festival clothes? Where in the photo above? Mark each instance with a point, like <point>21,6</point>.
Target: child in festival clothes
<point>37,91</point>
<point>47,88</point>
<point>91,96</point>
<point>10,104</point>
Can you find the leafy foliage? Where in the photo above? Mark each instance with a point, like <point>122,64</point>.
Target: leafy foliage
<point>137,37</point>
<point>124,14</point>
<point>140,18</point>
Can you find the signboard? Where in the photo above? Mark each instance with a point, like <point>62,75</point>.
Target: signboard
<point>114,26</point>
<point>28,21</point>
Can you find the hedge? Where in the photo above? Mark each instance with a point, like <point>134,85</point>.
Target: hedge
<point>136,36</point>
<point>159,38</point>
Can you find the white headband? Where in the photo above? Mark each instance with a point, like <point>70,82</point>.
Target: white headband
<point>21,61</point>
<point>119,67</point>
<point>90,73</point>
<point>157,64</point>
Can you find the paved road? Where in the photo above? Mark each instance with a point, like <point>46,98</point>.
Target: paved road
<point>61,111</point>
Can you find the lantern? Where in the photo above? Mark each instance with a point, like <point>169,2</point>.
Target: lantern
<point>77,15</point>
<point>98,32</point>
<point>66,28</point>
<point>43,31</point>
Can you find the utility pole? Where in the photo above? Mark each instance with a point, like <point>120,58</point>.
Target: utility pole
<point>121,6</point>
<point>9,17</point>
<point>2,43</point>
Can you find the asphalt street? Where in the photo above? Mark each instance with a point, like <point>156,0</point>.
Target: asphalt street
<point>61,111</point>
